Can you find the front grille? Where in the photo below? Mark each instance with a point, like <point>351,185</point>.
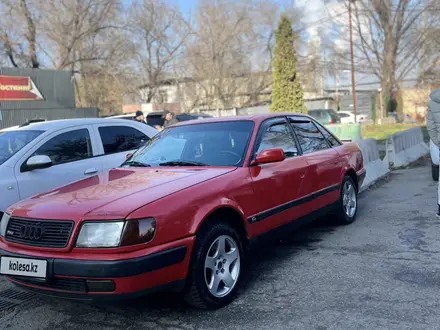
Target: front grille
<point>62,284</point>
<point>41,233</point>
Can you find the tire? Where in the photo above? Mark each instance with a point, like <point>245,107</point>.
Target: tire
<point>197,293</point>
<point>344,216</point>
<point>434,170</point>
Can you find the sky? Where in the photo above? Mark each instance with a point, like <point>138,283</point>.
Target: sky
<point>186,5</point>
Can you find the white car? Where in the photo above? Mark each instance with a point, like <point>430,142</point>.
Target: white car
<point>434,151</point>
<point>347,117</point>
<point>42,156</point>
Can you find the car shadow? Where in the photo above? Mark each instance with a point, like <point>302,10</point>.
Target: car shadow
<point>262,260</point>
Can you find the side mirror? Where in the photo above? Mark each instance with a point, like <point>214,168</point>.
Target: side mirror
<point>38,163</point>
<point>269,156</point>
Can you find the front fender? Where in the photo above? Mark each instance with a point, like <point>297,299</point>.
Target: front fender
<point>206,210</point>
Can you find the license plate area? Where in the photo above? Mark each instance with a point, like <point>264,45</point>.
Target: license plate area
<point>23,267</point>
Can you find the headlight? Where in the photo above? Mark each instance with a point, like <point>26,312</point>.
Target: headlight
<point>100,234</point>
<point>4,224</point>
<point>116,233</point>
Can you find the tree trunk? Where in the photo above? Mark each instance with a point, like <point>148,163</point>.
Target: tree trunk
<point>388,82</point>
<point>31,35</point>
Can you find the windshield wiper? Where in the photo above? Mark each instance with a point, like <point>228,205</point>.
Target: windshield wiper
<point>182,163</point>
<point>136,164</point>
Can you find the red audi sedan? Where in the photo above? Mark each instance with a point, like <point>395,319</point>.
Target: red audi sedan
<point>182,211</point>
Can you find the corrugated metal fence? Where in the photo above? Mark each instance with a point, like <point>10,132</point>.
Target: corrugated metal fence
<point>10,118</point>
<point>57,89</point>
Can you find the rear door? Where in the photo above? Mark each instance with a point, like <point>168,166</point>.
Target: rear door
<point>72,153</point>
<point>116,142</point>
<point>324,163</point>
<point>278,186</point>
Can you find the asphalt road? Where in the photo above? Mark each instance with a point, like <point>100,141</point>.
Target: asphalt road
<point>382,272</point>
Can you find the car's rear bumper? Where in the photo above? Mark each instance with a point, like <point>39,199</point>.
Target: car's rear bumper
<point>108,280</point>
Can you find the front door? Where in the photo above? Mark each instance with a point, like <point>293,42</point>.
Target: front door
<point>278,187</point>
<point>72,154</point>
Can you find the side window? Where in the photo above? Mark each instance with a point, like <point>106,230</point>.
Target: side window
<point>310,138</point>
<point>67,147</point>
<point>279,136</point>
<point>330,138</point>
<point>121,138</point>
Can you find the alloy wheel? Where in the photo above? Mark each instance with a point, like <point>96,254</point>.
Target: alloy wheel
<point>349,200</point>
<point>222,266</point>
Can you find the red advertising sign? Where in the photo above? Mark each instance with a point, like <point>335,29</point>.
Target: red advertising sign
<point>18,89</point>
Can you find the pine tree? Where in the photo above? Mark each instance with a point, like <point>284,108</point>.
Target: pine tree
<point>287,93</point>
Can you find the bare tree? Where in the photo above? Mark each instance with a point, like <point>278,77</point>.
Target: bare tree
<point>157,32</point>
<point>229,56</point>
<point>392,39</point>
<point>216,56</point>
<point>78,31</point>
<point>85,37</point>
<point>19,41</point>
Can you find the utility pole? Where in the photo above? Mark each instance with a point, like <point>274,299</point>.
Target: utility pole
<point>353,77</point>
<point>337,88</point>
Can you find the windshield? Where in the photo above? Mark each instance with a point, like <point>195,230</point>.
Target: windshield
<point>13,141</point>
<point>210,144</point>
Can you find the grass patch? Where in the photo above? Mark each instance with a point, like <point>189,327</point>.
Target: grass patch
<point>382,132</point>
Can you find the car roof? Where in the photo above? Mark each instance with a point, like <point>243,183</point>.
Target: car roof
<point>62,124</point>
<point>122,116</point>
<point>255,118</point>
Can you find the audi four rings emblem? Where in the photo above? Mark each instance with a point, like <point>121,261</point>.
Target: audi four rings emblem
<point>33,232</point>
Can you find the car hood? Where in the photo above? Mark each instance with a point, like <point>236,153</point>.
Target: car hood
<point>112,195</point>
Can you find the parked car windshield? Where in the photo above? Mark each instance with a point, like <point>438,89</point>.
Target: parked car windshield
<point>13,141</point>
<point>207,144</point>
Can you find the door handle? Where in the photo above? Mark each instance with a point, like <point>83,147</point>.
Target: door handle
<point>90,171</point>
<point>302,175</point>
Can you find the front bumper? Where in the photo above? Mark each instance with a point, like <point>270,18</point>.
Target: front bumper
<point>107,280</point>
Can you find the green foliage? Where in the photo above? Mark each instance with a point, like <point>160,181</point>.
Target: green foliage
<point>287,93</point>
